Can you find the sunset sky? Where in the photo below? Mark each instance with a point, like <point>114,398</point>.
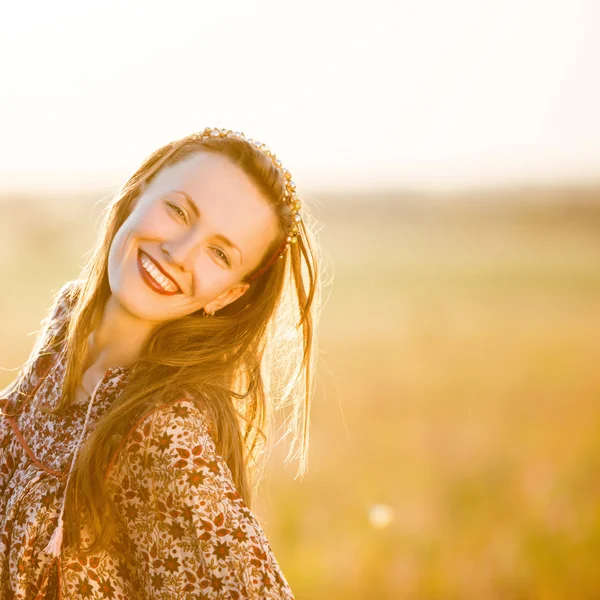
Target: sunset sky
<point>371,95</point>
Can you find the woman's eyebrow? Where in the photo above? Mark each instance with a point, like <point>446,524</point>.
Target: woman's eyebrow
<point>219,236</point>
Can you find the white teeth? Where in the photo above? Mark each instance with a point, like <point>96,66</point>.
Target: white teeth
<point>157,275</point>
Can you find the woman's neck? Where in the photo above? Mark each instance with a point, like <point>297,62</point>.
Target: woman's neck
<point>119,338</point>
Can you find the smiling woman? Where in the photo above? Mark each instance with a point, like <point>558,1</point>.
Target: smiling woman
<point>142,488</point>
<point>190,224</point>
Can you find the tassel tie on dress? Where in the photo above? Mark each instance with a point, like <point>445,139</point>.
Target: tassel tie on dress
<point>55,544</point>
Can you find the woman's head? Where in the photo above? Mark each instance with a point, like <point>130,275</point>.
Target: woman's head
<point>180,208</point>
<point>257,353</point>
<point>204,224</point>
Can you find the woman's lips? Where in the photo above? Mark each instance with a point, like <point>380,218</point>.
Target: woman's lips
<point>149,280</point>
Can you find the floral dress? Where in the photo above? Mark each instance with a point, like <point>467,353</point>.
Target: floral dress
<point>185,530</point>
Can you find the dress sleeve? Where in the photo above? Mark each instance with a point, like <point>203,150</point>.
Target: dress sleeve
<point>189,532</point>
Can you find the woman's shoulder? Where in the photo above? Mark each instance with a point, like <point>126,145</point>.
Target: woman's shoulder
<point>170,427</point>
<point>63,301</point>
<point>57,314</point>
<point>187,412</point>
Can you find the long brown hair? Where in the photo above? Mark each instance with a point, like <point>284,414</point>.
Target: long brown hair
<point>253,357</point>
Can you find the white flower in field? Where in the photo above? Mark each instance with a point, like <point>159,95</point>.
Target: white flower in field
<point>380,516</point>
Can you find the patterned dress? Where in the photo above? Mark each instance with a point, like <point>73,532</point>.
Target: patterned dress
<point>186,531</point>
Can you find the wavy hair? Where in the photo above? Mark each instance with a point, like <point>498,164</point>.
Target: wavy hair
<point>253,357</point>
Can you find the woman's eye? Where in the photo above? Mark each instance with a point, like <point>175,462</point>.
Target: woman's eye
<point>178,210</point>
<point>222,254</point>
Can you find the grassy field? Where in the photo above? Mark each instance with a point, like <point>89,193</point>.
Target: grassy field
<point>455,441</point>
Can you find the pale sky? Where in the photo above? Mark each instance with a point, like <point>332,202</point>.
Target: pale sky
<point>348,94</point>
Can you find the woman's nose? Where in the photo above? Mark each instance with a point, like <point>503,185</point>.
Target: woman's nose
<point>178,255</point>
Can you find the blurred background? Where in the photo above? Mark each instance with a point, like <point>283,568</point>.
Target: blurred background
<point>450,153</point>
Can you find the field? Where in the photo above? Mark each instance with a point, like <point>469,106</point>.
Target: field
<point>455,440</point>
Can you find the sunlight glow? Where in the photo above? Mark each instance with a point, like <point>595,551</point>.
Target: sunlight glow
<point>394,93</point>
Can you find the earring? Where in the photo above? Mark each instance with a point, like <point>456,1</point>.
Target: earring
<point>210,314</point>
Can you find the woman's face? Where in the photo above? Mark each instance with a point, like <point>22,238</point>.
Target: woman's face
<point>171,256</point>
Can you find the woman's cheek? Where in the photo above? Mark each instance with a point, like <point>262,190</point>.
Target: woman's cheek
<point>209,278</point>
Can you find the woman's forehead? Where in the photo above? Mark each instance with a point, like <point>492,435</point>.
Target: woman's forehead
<point>207,177</point>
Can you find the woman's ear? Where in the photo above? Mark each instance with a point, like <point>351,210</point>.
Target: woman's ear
<point>227,297</point>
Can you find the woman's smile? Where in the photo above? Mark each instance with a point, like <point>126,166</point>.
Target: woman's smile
<point>155,277</point>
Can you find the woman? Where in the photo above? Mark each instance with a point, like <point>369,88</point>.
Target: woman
<point>128,440</point>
